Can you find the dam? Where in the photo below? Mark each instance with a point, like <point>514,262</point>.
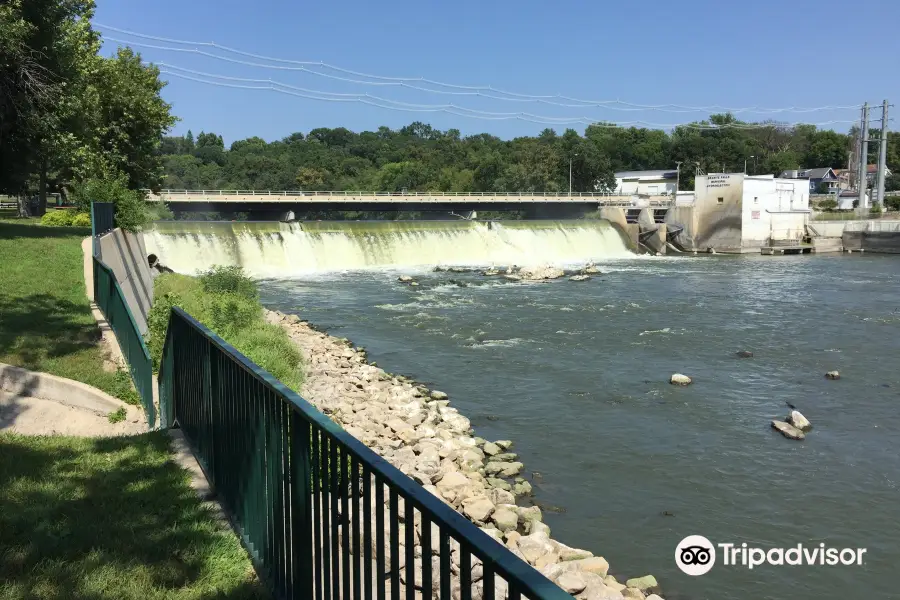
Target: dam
<point>273,249</point>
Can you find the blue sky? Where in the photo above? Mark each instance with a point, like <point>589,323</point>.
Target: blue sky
<point>692,52</point>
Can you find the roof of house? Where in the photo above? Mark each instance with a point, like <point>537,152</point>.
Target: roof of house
<point>654,174</point>
<point>869,169</point>
<point>817,173</point>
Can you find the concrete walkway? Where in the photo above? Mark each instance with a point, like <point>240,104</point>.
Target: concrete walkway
<point>28,415</point>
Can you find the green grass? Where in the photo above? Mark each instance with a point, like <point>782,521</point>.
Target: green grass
<point>117,416</point>
<point>99,519</point>
<point>45,317</point>
<point>236,317</point>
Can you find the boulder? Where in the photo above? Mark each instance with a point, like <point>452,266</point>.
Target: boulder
<point>832,375</point>
<point>523,488</point>
<point>579,278</point>
<point>646,584</point>
<point>679,379</point>
<point>437,395</point>
<point>571,583</point>
<point>404,279</point>
<point>453,481</point>
<point>491,449</point>
<point>566,553</point>
<point>498,496</point>
<point>593,564</point>
<point>478,509</point>
<point>788,430</point>
<point>529,514</point>
<point>590,268</point>
<point>504,444</point>
<point>498,483</point>
<point>541,273</point>
<point>505,457</point>
<point>797,419</point>
<point>534,546</point>
<point>744,354</point>
<point>505,519</point>
<point>630,593</point>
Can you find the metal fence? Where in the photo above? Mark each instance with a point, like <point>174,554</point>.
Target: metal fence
<point>322,516</point>
<point>109,298</point>
<point>103,218</point>
<point>111,301</point>
<point>355,194</point>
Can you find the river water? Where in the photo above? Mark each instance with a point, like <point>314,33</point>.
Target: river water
<point>577,375</point>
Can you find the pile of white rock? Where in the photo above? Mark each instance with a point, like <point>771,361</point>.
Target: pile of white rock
<point>418,432</point>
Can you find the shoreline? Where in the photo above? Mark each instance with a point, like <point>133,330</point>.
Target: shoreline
<point>417,431</point>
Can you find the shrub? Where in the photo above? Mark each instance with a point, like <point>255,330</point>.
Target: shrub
<point>875,209</point>
<point>57,218</point>
<point>229,280</point>
<point>131,209</point>
<point>828,205</point>
<point>81,220</point>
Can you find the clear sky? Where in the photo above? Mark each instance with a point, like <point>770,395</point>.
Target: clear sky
<point>765,53</point>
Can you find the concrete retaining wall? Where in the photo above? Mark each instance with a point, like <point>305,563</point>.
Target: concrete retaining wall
<point>882,242</point>
<point>126,255</point>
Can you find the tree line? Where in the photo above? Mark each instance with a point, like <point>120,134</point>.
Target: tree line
<point>420,158</point>
<point>69,116</point>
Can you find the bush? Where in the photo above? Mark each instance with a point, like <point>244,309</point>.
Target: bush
<point>229,280</point>
<point>828,205</point>
<point>81,220</point>
<point>57,218</point>
<point>227,301</point>
<point>131,209</point>
<point>875,209</point>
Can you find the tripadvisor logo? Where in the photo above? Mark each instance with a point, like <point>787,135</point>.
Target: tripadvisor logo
<point>696,555</point>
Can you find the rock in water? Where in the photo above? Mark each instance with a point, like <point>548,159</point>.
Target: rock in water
<point>579,277</point>
<point>404,279</point>
<point>832,375</point>
<point>679,379</point>
<point>437,395</point>
<point>744,354</point>
<point>788,430</point>
<point>647,584</point>
<point>797,419</point>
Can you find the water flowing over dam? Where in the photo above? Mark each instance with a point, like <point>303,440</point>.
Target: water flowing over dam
<point>270,249</point>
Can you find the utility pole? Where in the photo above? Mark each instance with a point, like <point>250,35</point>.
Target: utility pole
<point>677,177</point>
<point>863,157</point>
<point>882,154</point>
<point>570,172</point>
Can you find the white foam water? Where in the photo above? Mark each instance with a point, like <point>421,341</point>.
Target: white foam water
<point>290,249</point>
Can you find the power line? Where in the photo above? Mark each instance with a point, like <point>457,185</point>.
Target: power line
<point>410,82</point>
<point>388,104</point>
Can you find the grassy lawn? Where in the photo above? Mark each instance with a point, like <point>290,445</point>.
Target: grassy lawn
<point>110,519</point>
<point>45,316</point>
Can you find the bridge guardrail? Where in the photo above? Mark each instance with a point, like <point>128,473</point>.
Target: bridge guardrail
<point>356,194</point>
<point>319,512</point>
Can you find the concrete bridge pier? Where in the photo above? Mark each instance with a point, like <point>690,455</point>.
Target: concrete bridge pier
<point>618,218</point>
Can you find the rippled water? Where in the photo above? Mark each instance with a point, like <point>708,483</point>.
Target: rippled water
<point>576,374</point>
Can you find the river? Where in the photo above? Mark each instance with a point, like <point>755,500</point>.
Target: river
<point>577,375</point>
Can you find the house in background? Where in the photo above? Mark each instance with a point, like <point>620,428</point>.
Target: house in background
<point>817,177</point>
<point>660,182</point>
<point>871,175</point>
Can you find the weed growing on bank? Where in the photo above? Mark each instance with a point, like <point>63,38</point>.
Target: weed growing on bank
<point>226,300</point>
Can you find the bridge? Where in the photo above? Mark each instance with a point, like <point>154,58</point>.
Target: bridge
<point>256,200</point>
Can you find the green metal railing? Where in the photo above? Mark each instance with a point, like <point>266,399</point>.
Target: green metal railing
<point>111,301</point>
<point>322,516</point>
<point>109,298</point>
<point>103,218</point>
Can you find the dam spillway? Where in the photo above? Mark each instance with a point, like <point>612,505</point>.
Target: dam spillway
<point>271,249</point>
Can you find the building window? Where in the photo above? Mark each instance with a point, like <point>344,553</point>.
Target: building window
<point>721,200</point>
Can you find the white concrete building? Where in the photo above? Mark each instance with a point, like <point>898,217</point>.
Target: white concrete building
<point>734,212</point>
<point>651,183</point>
